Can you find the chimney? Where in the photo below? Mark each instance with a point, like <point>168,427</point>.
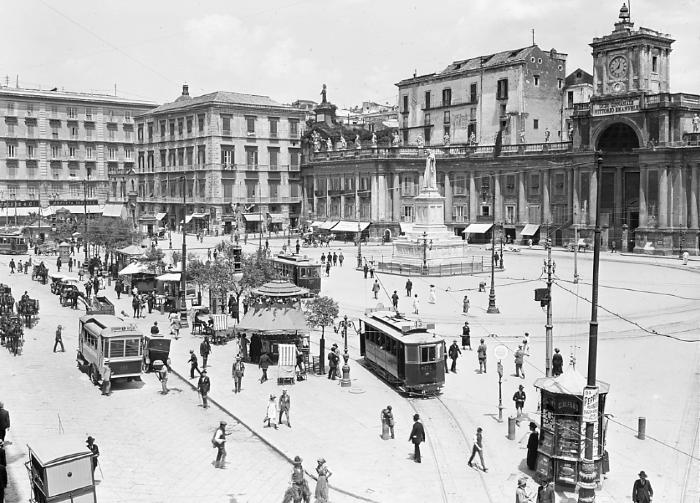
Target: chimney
<point>185,90</point>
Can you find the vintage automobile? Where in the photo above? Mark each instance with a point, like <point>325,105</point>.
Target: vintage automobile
<point>155,347</point>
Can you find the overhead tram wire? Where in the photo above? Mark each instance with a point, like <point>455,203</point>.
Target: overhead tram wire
<point>635,290</point>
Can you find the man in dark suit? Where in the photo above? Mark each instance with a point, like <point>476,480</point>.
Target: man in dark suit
<point>642,491</point>
<point>417,436</point>
<point>4,421</point>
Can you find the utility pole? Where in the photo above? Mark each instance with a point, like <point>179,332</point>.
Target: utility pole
<point>183,272</point>
<point>85,235</point>
<point>575,252</point>
<point>587,475</point>
<point>549,267</point>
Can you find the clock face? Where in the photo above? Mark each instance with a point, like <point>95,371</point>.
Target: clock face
<point>618,67</point>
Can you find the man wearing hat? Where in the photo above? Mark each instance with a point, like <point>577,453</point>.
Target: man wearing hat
<point>193,364</point>
<point>219,441</point>
<point>387,422</point>
<point>333,362</point>
<point>519,358</point>
<point>95,452</point>
<point>417,436</point>
<point>237,372</point>
<point>521,495</point>
<point>284,405</point>
<point>519,399</point>
<point>298,479</point>
<point>264,363</point>
<point>642,491</point>
<point>204,385</point>
<point>58,340</point>
<point>466,336</point>
<point>545,493</point>
<point>107,378</point>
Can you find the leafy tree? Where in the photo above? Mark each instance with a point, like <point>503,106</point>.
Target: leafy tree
<point>257,270</point>
<point>111,233</point>
<point>320,312</point>
<point>154,259</point>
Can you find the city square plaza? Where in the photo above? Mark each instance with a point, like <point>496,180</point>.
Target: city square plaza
<point>157,447</point>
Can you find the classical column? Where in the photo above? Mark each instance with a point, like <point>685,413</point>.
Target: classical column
<point>315,188</point>
<point>643,214</point>
<point>357,196</point>
<point>663,197</point>
<point>448,198</point>
<point>473,198</point>
<point>617,216</point>
<point>374,199</point>
<point>546,204</point>
<point>570,195</point>
<point>683,196</point>
<point>342,205</point>
<point>396,198</point>
<point>522,199</point>
<point>694,197</point>
<point>497,202</point>
<point>328,196</point>
<point>381,197</point>
<point>592,197</point>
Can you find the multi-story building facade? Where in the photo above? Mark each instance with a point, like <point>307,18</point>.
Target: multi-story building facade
<point>58,150</point>
<point>517,92</point>
<point>239,154</point>
<point>646,139</point>
<point>578,88</point>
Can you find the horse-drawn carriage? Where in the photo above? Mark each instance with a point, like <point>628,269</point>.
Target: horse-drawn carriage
<point>69,293</point>
<point>39,273</point>
<point>11,333</point>
<point>28,309</point>
<point>56,279</point>
<point>311,239</point>
<point>7,301</point>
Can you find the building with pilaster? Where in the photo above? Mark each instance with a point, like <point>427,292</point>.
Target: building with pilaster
<point>238,154</point>
<point>59,149</point>
<point>646,138</point>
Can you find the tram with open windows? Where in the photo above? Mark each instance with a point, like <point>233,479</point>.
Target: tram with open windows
<point>106,340</point>
<point>405,352</point>
<point>298,269</point>
<point>13,243</point>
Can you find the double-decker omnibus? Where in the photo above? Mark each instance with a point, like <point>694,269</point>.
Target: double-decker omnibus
<point>106,340</point>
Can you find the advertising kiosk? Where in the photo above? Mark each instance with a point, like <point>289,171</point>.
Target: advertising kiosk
<point>563,430</point>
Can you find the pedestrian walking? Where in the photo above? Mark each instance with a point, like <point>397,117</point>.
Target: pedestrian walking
<point>533,441</point>
<point>12,266</point>
<point>371,271</point>
<point>204,351</point>
<point>284,405</point>
<point>521,495</point>
<point>95,450</point>
<point>481,355</point>
<point>174,324</point>
<point>417,436</point>
<point>107,379</point>
<point>466,336</point>
<point>298,247</point>
<point>163,378</point>
<point>409,287</point>
<point>271,413</point>
<point>335,259</point>
<point>328,269</point>
<point>642,491</point>
<point>332,362</point>
<point>395,300</point>
<point>154,328</point>
<point>432,296</point>
<point>519,358</point>
<point>416,304</point>
<point>557,363</point>
<point>88,288</point>
<point>341,258</point>
<point>237,372</point>
<point>526,344</point>
<point>58,339</point>
<point>387,418</point>
<point>119,288</point>
<point>4,421</point>
<point>193,364</point>
<point>203,386</point>
<point>233,307</point>
<point>321,492</point>
<point>264,363</point>
<point>478,448</point>
<point>545,493</point>
<point>465,305</point>
<point>365,269</point>
<point>519,399</point>
<point>323,258</point>
<point>219,442</point>
<point>454,354</point>
<point>59,263</point>
<point>70,264</point>
<point>150,301</point>
<point>95,285</point>
<point>376,288</point>
<point>243,347</point>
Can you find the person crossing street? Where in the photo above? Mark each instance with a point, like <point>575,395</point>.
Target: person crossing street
<point>454,353</point>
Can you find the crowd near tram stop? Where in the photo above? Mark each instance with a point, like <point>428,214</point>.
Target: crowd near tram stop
<point>566,404</point>
<point>60,470</point>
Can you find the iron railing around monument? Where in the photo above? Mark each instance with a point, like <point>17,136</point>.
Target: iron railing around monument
<point>470,265</point>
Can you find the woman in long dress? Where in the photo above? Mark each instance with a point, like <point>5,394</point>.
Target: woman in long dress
<point>432,295</point>
<point>324,474</point>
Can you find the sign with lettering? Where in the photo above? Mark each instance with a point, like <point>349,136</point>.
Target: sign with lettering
<point>590,405</point>
<point>615,106</point>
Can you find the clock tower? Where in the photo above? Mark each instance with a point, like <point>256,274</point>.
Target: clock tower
<point>631,61</point>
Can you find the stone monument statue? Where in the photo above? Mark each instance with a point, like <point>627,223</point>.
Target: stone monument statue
<point>419,141</point>
<point>358,143</point>
<point>395,141</point>
<point>696,123</point>
<point>317,141</point>
<point>329,144</point>
<point>343,143</point>
<point>446,140</point>
<point>429,181</point>
<point>374,140</point>
<point>323,95</point>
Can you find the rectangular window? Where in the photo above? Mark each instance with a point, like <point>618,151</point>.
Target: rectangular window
<point>510,184</point>
<point>189,125</point>
<point>294,158</point>
<point>446,97</point>
<point>11,150</point>
<point>460,185</point>
<point>180,126</point>
<point>293,128</point>
<point>559,180</point>
<point>72,113</point>
<point>89,152</point>
<point>172,129</point>
<point>112,153</point>
<point>560,83</point>
<point>251,189</point>
<point>250,125</point>
<point>30,130</point>
<point>427,100</point>
<point>150,131</point>
<point>472,93</point>
<point>200,123</point>
<point>426,119</point>
<point>405,103</point>
<point>116,348</point>
<point>88,114</point>
<point>535,124</point>
<point>274,155</point>
<point>407,214</point>
<point>127,115</point>
<point>251,157</point>
<point>273,127</point>
<point>428,354</point>
<point>655,64</point>
<point>510,214</point>
<point>536,80</point>
<point>570,99</point>
<point>534,185</point>
<point>55,151</point>
<point>446,117</point>
<point>31,151</point>
<point>128,154</point>
<point>407,185</point>
<point>139,133</point>
<point>226,124</point>
<point>227,157</point>
<point>71,151</point>
<point>458,212</point>
<point>274,189</point>
<point>502,89</point>
<point>111,133</point>
<point>162,129</point>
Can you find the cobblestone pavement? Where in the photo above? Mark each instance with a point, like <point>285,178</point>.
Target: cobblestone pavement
<point>154,447</point>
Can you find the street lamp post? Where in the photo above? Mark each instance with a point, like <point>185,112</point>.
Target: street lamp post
<point>587,475</point>
<point>359,239</point>
<point>549,268</point>
<point>492,309</point>
<point>183,272</point>
<point>500,265</point>
<point>345,380</point>
<point>499,369</point>
<point>425,253</point>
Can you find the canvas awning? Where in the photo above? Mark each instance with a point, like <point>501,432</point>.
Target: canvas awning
<point>253,217</point>
<point>316,223</point>
<point>277,218</point>
<point>169,276</point>
<point>274,320</point>
<point>328,225</point>
<point>160,216</point>
<point>79,210</point>
<point>11,211</point>
<point>134,268</point>
<point>114,210</point>
<point>405,226</point>
<point>568,383</point>
<point>530,230</point>
<point>131,250</point>
<point>346,226</point>
<point>200,215</point>
<point>477,229</point>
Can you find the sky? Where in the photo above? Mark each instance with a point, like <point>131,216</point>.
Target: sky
<point>287,49</point>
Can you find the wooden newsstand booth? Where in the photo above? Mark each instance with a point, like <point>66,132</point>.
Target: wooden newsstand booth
<point>563,431</point>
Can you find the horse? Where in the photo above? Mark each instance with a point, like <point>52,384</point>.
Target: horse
<point>295,494</point>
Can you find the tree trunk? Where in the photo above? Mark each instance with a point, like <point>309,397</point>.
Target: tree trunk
<point>322,350</point>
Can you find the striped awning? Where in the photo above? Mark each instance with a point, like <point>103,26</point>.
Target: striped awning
<point>530,230</point>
